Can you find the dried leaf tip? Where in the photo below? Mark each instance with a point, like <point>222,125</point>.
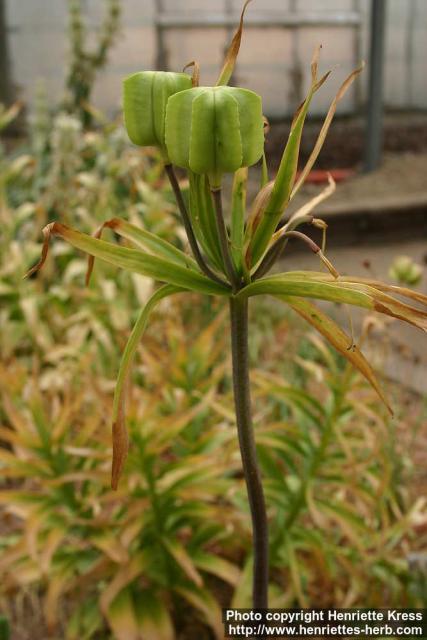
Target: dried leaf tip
<point>120,449</point>
<point>195,78</point>
<point>233,51</point>
<point>315,63</point>
<point>47,231</point>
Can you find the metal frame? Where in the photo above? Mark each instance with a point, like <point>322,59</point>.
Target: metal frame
<point>286,20</point>
<point>375,99</point>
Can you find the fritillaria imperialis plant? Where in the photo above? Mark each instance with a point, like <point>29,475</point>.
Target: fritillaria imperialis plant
<point>209,132</point>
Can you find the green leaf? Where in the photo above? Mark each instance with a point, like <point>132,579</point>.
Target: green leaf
<point>218,567</point>
<point>337,338</point>
<point>4,628</point>
<point>202,600</point>
<point>182,558</point>
<point>296,398</point>
<point>153,619</point>
<point>122,617</point>
<point>238,209</point>
<point>309,284</point>
<point>284,181</point>
<point>123,577</point>
<point>131,260</point>
<point>264,171</point>
<point>148,241</point>
<point>203,218</point>
<point>120,435</point>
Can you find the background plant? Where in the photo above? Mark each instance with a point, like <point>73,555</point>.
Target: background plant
<point>179,526</point>
<point>85,62</point>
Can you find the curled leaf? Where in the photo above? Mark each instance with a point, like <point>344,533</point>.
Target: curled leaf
<point>309,206</point>
<point>195,78</point>
<point>143,239</point>
<point>47,232</point>
<point>132,260</point>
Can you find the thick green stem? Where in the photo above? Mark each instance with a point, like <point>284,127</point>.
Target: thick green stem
<point>242,400</point>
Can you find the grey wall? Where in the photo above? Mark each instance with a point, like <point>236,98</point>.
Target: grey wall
<point>273,61</point>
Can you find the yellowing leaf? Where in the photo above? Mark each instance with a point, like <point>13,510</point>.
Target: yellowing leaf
<point>124,576</point>
<point>122,617</point>
<point>337,337</point>
<point>308,284</point>
<point>131,260</point>
<point>207,605</point>
<point>153,619</point>
<point>182,558</point>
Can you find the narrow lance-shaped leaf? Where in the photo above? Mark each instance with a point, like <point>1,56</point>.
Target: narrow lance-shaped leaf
<point>325,128</point>
<point>122,617</point>
<point>120,435</point>
<point>204,602</point>
<point>130,259</point>
<point>122,578</point>
<point>203,218</point>
<point>256,212</point>
<point>307,284</point>
<point>183,559</point>
<point>263,228</point>
<point>264,171</point>
<point>337,338</point>
<point>153,618</point>
<point>238,209</point>
<point>233,51</point>
<point>146,240</point>
<point>385,287</point>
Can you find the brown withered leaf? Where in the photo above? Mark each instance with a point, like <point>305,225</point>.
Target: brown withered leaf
<point>120,445</point>
<point>337,338</point>
<point>233,51</point>
<point>195,78</point>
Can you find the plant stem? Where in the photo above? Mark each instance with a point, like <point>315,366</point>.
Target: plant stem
<point>223,239</point>
<point>272,255</point>
<point>188,228</point>
<point>275,252</point>
<point>242,401</point>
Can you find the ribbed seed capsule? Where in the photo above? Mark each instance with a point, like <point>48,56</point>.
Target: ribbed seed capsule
<point>214,130</point>
<point>145,96</point>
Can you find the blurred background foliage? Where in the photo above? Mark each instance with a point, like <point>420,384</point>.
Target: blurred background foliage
<point>158,558</point>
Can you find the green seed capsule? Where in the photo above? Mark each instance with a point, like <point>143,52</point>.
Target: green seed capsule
<point>145,95</point>
<point>214,130</point>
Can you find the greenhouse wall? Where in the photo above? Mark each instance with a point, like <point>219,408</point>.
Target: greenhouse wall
<point>275,54</point>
